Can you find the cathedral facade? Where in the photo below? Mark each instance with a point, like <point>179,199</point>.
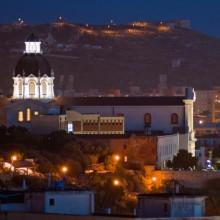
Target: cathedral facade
<point>33,77</point>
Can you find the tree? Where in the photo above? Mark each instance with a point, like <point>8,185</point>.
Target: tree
<point>3,133</point>
<point>55,140</point>
<point>183,160</point>
<point>18,134</point>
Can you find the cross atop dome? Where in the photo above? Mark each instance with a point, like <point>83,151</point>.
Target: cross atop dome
<point>32,45</point>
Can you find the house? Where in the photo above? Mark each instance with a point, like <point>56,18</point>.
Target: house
<point>23,167</point>
<point>12,201</point>
<point>170,205</point>
<point>71,202</point>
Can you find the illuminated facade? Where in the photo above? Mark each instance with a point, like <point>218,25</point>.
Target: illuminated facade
<point>150,115</point>
<point>33,77</point>
<point>91,124</point>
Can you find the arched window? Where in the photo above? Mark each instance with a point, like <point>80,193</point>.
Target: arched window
<point>147,119</point>
<point>44,88</point>
<point>28,114</point>
<point>20,116</point>
<point>174,119</point>
<point>31,88</point>
<point>20,87</point>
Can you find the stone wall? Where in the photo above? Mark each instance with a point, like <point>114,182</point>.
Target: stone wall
<point>138,149</point>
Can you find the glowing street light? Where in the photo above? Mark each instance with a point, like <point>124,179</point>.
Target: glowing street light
<point>117,157</point>
<point>154,179</point>
<point>13,158</point>
<point>64,169</point>
<point>116,182</point>
<point>200,122</point>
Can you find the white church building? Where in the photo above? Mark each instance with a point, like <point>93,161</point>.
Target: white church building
<point>33,77</point>
<point>33,105</point>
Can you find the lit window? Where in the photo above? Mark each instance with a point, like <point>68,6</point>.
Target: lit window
<point>44,88</point>
<point>28,114</point>
<point>20,86</point>
<point>70,127</point>
<point>31,88</point>
<point>174,119</point>
<point>20,116</point>
<point>36,113</point>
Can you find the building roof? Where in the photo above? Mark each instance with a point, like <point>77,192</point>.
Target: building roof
<point>129,101</point>
<point>23,164</point>
<point>168,195</point>
<point>34,64</point>
<point>6,193</point>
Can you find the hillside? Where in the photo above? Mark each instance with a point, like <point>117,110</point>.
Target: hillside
<point>116,56</point>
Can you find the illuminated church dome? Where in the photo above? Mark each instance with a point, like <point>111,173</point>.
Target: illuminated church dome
<point>33,77</point>
<point>35,64</point>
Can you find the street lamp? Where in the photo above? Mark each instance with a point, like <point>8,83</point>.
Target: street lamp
<point>64,169</point>
<point>13,158</point>
<point>154,179</point>
<point>117,157</point>
<point>200,122</point>
<point>116,182</point>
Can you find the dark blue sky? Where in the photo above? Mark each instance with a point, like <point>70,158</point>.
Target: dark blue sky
<point>204,14</point>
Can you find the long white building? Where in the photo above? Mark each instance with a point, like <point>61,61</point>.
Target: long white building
<point>149,115</point>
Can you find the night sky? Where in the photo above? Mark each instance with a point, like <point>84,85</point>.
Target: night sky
<point>204,14</point>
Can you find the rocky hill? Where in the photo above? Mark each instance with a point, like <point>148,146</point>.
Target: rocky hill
<point>116,56</point>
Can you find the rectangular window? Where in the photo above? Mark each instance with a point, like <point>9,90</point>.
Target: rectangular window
<point>20,116</point>
<point>51,202</point>
<point>28,114</point>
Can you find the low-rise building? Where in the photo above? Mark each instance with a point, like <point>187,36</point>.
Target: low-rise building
<point>71,202</point>
<point>170,205</point>
<point>206,128</point>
